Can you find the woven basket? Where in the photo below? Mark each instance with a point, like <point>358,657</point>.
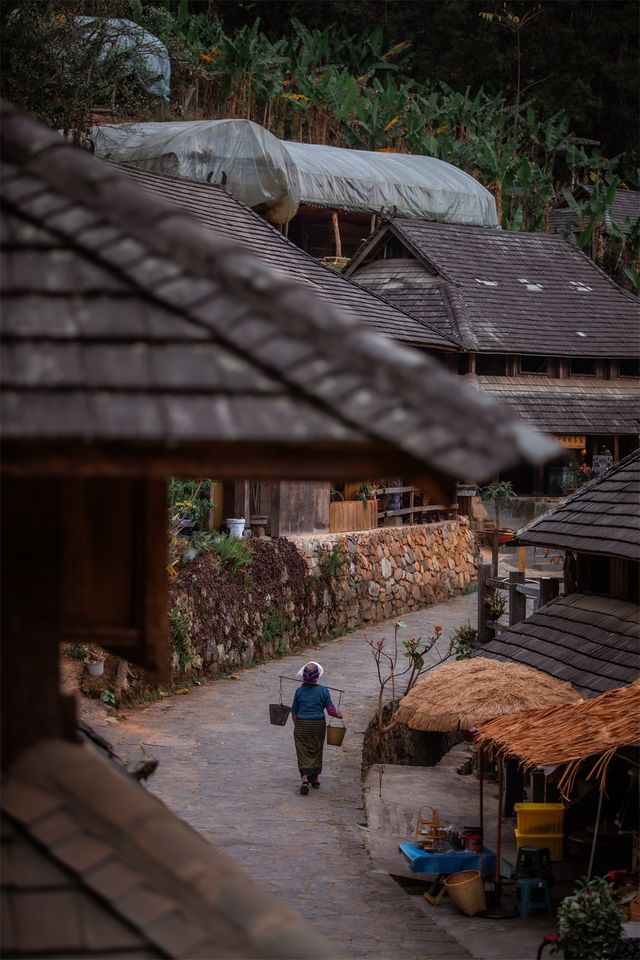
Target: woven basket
<point>278,714</point>
<point>467,891</point>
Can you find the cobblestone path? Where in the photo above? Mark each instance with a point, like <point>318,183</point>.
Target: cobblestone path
<point>233,777</point>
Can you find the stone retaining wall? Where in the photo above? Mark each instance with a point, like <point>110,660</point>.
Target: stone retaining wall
<point>300,590</point>
<point>392,570</point>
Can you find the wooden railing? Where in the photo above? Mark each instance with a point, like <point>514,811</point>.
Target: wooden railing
<point>432,511</point>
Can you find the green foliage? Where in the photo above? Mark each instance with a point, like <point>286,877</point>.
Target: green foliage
<point>500,492</point>
<point>189,498</point>
<point>332,562</point>
<point>330,84</point>
<point>589,921</point>
<point>348,83</point>
<point>235,553</point>
<point>108,698</point>
<point>59,68</point>
<point>179,634</point>
<point>464,641</point>
<point>365,490</point>
<point>274,627</point>
<point>75,651</point>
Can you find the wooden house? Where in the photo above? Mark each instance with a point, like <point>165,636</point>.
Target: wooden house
<point>589,636</point>
<point>136,346</point>
<point>537,324</point>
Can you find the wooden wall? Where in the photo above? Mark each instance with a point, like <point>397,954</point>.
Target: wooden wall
<point>299,507</point>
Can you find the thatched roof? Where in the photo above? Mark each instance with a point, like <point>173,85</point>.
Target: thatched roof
<point>466,693</point>
<point>570,734</point>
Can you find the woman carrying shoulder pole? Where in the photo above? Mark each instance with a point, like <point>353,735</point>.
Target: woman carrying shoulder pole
<point>309,704</point>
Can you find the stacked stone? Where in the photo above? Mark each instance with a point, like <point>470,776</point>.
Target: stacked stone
<point>393,570</point>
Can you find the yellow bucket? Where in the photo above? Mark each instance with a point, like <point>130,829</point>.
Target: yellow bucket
<point>335,735</point>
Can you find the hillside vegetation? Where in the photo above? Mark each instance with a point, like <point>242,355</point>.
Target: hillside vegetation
<point>326,85</point>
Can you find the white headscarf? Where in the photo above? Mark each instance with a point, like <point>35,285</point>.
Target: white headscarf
<point>300,672</point>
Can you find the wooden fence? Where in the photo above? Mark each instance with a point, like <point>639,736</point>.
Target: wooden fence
<point>348,515</point>
<point>517,590</point>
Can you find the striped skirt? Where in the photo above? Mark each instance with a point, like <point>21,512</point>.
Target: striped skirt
<point>308,736</point>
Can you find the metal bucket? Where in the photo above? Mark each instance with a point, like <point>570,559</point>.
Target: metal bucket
<point>278,714</point>
<point>335,735</point>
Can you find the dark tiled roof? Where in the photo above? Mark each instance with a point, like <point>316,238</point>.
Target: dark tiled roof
<point>126,322</point>
<point>577,405</point>
<point>527,293</point>
<point>219,211</point>
<point>601,517</point>
<point>94,865</point>
<point>592,642</point>
<point>625,206</point>
<point>411,287</point>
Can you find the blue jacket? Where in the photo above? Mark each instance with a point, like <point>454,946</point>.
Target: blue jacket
<point>310,701</point>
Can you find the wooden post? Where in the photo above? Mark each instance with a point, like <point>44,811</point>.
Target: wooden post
<point>494,552</point>
<point>481,790</point>
<point>522,559</point>
<point>616,448</point>
<point>517,600</point>
<point>336,233</point>
<point>499,828</point>
<point>549,589</point>
<point>32,615</point>
<point>412,498</point>
<point>484,571</point>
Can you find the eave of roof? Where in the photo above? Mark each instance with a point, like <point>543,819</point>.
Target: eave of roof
<point>575,405</point>
<point>592,642</point>
<point>151,883</point>
<point>602,517</point>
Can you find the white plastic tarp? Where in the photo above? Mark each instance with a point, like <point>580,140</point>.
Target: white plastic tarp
<point>260,169</point>
<point>148,56</point>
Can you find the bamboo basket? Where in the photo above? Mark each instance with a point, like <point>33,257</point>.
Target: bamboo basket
<point>467,891</point>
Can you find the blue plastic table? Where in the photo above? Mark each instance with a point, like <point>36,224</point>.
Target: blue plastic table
<point>424,861</point>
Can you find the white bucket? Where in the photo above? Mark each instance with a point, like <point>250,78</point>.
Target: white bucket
<point>236,528</point>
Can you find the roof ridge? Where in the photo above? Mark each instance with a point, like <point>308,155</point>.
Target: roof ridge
<point>452,298</point>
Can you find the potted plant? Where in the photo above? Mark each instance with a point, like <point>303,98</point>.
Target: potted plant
<point>366,491</point>
<point>500,492</point>
<point>590,922</point>
<point>94,659</point>
<point>496,603</point>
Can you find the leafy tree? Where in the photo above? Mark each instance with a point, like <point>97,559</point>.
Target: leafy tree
<point>60,67</point>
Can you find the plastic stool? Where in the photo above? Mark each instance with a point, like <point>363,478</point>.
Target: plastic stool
<point>525,900</point>
<point>533,862</point>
